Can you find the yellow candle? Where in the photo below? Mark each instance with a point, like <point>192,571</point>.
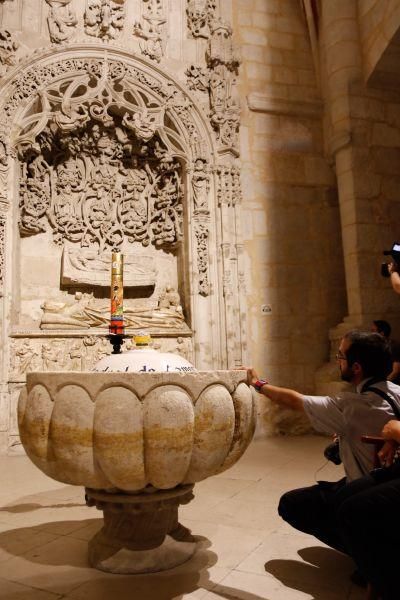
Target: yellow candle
<point>117,293</point>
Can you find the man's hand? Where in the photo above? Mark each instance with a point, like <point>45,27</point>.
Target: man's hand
<point>392,267</point>
<point>387,452</point>
<point>252,376</point>
<point>285,397</point>
<point>391,430</point>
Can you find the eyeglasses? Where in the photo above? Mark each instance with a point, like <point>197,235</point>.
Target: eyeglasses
<point>340,356</point>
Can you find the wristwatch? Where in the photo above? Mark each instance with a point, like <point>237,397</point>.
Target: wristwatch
<point>259,383</point>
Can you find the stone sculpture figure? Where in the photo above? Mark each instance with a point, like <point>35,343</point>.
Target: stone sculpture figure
<point>141,124</point>
<point>25,357</point>
<point>75,355</point>
<point>201,186</point>
<point>221,49</point>
<point>3,154</point>
<point>104,18</point>
<point>170,299</point>
<point>61,20</point>
<point>53,356</point>
<point>198,78</point>
<point>7,51</point>
<point>153,36</point>
<point>199,14</point>
<point>84,312</point>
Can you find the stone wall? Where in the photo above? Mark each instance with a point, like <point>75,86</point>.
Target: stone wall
<point>291,229</point>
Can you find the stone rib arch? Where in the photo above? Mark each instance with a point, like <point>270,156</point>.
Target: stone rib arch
<point>44,67</point>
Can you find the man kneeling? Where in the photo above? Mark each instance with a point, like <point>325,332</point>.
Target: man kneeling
<point>364,360</point>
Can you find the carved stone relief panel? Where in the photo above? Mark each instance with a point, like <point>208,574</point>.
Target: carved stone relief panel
<point>220,81</point>
<point>229,190</point>
<point>223,61</point>
<point>198,78</point>
<point>61,20</point>
<point>201,187</point>
<point>95,175</point>
<point>202,230</point>
<point>56,354</point>
<point>152,29</point>
<point>86,312</point>
<point>200,13</point>
<point>88,267</point>
<point>77,353</point>
<point>104,18</point>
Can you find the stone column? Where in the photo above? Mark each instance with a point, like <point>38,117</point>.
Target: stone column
<point>352,111</point>
<point>343,66</point>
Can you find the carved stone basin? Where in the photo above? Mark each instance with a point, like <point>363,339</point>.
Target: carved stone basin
<point>138,442</point>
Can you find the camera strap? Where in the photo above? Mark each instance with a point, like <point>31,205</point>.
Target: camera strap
<point>390,399</point>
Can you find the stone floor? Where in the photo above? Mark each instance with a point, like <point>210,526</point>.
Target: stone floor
<point>246,551</point>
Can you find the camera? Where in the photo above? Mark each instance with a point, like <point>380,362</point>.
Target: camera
<point>395,254</point>
<point>332,453</point>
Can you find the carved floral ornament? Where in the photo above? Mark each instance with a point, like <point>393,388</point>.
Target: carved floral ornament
<point>100,160</point>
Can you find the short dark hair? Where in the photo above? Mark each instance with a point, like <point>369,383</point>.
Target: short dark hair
<point>371,351</point>
<point>383,327</point>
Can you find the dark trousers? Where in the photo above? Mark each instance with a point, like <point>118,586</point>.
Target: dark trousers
<point>368,514</point>
<point>312,510</point>
<point>361,518</point>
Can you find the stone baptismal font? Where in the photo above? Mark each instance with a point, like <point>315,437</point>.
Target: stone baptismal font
<point>137,432</point>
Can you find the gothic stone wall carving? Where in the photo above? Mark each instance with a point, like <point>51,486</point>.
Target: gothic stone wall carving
<point>114,153</point>
<point>104,18</point>
<point>77,151</point>
<point>152,29</point>
<point>79,353</point>
<point>61,20</point>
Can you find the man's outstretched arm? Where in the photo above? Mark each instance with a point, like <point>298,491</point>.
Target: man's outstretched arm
<point>282,396</point>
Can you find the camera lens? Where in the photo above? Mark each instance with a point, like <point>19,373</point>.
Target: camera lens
<point>385,270</point>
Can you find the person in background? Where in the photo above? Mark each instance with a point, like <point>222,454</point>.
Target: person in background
<point>364,360</point>
<point>383,328</point>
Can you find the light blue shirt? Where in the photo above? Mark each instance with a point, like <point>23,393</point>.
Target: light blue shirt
<point>351,415</point>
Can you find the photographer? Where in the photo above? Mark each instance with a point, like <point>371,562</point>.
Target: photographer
<point>364,360</point>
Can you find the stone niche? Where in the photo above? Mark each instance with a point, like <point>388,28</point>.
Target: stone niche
<point>100,171</point>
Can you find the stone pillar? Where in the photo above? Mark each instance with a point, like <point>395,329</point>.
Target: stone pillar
<point>343,66</point>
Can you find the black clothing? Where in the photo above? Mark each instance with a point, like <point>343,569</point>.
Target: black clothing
<point>360,518</point>
<point>369,518</point>
<point>312,510</point>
